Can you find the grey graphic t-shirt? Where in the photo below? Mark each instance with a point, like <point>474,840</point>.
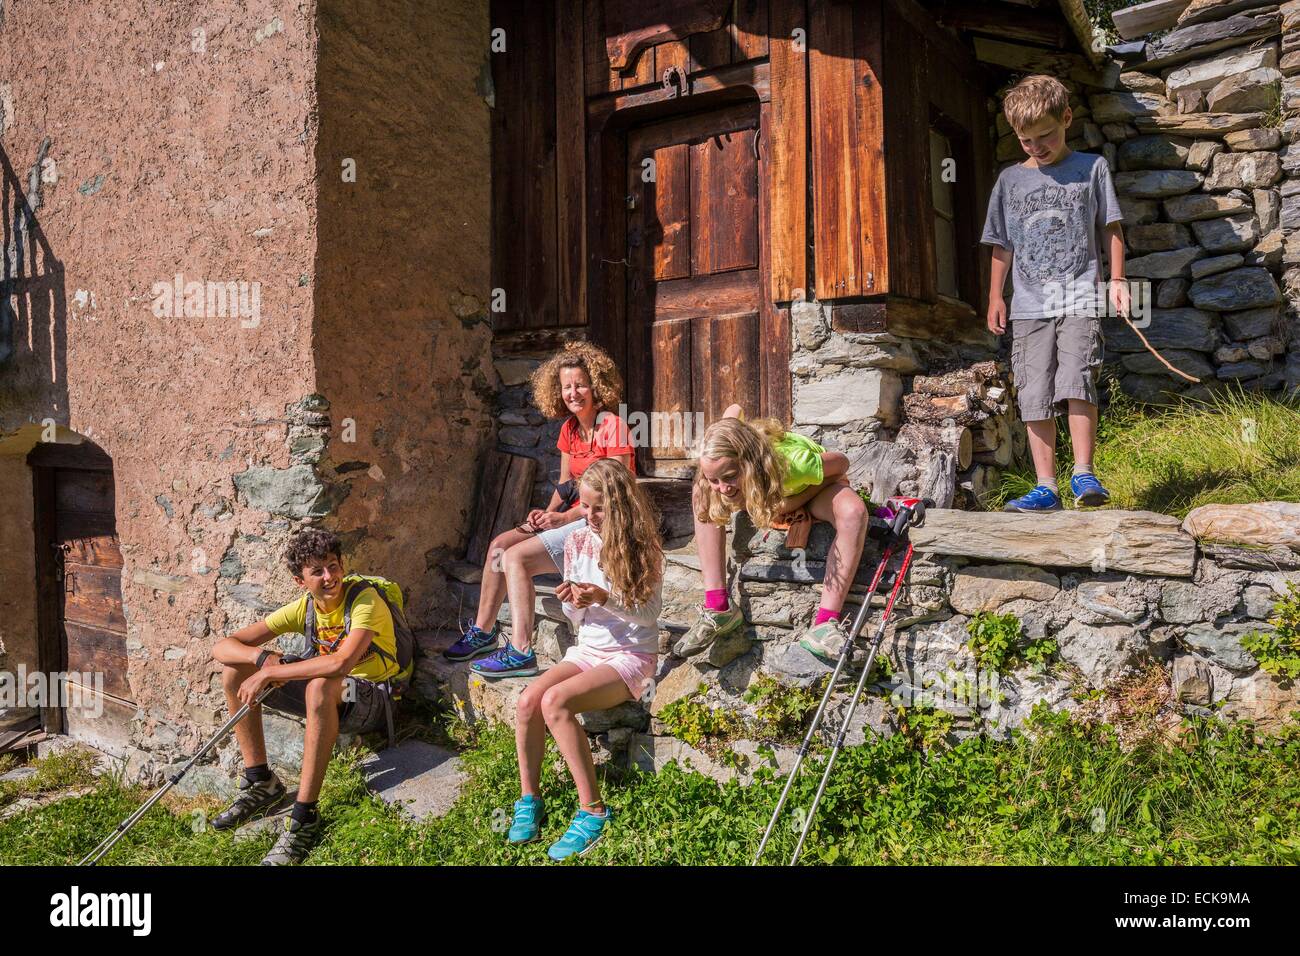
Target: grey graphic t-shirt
<point>1051,219</point>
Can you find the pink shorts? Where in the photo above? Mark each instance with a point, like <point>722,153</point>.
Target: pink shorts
<point>637,670</point>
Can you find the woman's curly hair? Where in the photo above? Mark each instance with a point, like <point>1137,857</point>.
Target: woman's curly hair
<point>606,383</point>
<point>762,470</point>
<point>631,552</point>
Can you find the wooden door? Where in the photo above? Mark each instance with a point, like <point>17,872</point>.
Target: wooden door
<point>695,305</point>
<point>80,577</point>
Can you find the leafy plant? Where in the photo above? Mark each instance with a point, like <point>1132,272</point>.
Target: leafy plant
<point>1038,654</point>
<point>994,640</point>
<point>924,728</point>
<point>782,711</point>
<point>998,643</point>
<point>691,720</point>
<point>1278,651</point>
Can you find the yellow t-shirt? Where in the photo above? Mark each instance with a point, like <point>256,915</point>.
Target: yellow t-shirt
<point>368,611</point>
<point>803,463</point>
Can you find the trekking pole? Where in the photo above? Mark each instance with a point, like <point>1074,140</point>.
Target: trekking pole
<point>845,654</point>
<point>853,703</point>
<point>96,854</point>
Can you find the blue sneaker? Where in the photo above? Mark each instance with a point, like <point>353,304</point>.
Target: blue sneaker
<point>526,826</point>
<point>473,642</point>
<point>1041,498</point>
<point>506,662</point>
<point>1088,491</point>
<point>584,832</point>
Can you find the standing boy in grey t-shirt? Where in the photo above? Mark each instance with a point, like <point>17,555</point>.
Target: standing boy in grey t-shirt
<point>1050,217</point>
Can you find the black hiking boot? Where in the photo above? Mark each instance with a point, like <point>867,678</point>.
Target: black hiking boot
<point>254,800</point>
<point>295,842</point>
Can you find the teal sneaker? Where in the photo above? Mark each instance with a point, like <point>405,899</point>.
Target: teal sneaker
<point>530,814</point>
<point>584,832</point>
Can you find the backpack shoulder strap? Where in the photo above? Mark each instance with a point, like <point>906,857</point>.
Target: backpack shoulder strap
<point>350,595</point>
<point>309,623</point>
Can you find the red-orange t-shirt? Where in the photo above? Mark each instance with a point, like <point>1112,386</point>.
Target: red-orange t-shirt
<point>609,440</point>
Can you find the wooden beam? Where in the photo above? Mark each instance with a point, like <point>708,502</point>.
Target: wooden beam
<point>1028,59</point>
<point>1003,21</point>
<point>1133,22</point>
<point>945,319</point>
<point>738,78</point>
<point>848,121</point>
<point>570,165</point>
<point>633,25</point>
<point>1081,26</point>
<point>942,43</point>
<point>787,152</point>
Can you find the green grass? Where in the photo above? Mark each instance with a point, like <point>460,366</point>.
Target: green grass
<point>1237,448</point>
<point>1067,794</point>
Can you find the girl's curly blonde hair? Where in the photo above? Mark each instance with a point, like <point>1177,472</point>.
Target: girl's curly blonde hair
<point>606,383</point>
<point>762,470</point>
<point>631,553</point>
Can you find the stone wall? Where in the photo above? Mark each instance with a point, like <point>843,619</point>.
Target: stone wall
<point>151,144</point>
<point>1199,137</point>
<point>1121,593</point>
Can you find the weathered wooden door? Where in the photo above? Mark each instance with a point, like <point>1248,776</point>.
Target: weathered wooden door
<point>695,306</point>
<point>80,579</point>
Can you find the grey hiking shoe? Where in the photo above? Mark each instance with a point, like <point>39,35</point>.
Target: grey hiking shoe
<point>708,627</point>
<point>824,641</point>
<point>295,842</point>
<point>254,800</point>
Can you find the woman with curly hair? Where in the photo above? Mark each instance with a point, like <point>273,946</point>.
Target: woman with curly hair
<point>613,577</point>
<point>770,473</point>
<point>582,383</point>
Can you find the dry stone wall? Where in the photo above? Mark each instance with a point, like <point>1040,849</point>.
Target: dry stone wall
<point>1200,138</point>
<point>1122,594</point>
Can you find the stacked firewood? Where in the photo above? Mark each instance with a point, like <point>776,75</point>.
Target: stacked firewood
<point>962,431</point>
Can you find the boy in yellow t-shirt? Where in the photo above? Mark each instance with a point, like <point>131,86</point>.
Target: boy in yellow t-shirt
<point>336,687</point>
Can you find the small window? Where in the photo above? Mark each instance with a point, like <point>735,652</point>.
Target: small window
<point>945,214</point>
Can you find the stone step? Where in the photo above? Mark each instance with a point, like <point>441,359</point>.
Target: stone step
<point>476,698</point>
<point>1140,542</point>
<point>420,779</point>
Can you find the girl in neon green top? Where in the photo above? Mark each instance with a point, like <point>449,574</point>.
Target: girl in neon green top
<point>767,471</point>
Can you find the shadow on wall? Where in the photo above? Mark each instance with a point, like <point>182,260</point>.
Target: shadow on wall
<point>33,307</point>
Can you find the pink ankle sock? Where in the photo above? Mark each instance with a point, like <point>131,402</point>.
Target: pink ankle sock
<point>716,600</point>
<point>824,615</point>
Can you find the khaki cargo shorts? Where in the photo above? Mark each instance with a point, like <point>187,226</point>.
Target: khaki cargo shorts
<point>1054,360</point>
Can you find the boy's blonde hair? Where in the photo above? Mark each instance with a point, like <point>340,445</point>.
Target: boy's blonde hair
<point>762,470</point>
<point>631,553</point>
<point>1033,99</point>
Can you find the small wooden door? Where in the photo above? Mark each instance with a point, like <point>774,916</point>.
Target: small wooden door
<point>695,305</point>
<point>80,580</point>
